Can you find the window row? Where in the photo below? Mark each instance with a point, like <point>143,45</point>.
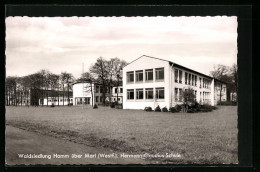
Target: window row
<point>190,79</point>
<point>147,75</point>
<point>206,83</point>
<point>178,94</point>
<point>120,90</point>
<point>99,89</point>
<point>204,95</point>
<point>55,100</point>
<point>147,93</point>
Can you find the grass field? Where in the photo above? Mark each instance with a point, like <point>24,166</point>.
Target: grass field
<point>201,138</point>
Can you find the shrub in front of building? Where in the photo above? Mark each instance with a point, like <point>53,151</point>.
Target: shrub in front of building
<point>178,108</point>
<point>95,106</point>
<point>227,103</point>
<point>148,109</point>
<point>201,108</point>
<point>112,105</point>
<point>157,109</point>
<point>164,109</point>
<point>172,109</point>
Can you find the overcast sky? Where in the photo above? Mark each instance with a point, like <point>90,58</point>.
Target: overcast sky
<point>64,43</point>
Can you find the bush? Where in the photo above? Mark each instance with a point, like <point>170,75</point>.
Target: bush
<point>227,103</point>
<point>178,108</point>
<point>112,105</point>
<point>201,108</point>
<point>191,110</point>
<point>106,103</point>
<point>172,110</point>
<point>119,106</point>
<point>52,105</point>
<point>157,109</point>
<point>148,109</point>
<point>95,106</point>
<point>164,109</point>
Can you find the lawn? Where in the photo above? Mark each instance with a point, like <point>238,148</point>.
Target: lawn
<point>201,138</point>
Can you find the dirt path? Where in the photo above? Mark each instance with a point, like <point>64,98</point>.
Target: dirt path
<point>19,141</point>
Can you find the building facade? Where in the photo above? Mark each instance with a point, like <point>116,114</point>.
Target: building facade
<point>57,101</point>
<point>161,82</point>
<point>89,94</point>
<point>117,94</point>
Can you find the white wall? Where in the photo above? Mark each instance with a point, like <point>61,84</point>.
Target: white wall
<point>83,90</point>
<point>142,64</point>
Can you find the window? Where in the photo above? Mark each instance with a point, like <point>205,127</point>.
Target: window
<point>176,94</point>
<point>180,94</point>
<point>160,93</point>
<point>118,99</point>
<point>195,80</point>
<point>130,76</point>
<point>195,95</point>
<point>97,89</point>
<point>186,78</point>
<point>159,73</point>
<point>176,75</point>
<point>192,79</point>
<point>97,98</point>
<point>139,76</point>
<point>115,90</point>
<point>180,76</point>
<point>149,75</point>
<point>130,94</point>
<point>121,90</point>
<point>200,82</point>
<point>189,79</point>
<point>101,89</point>
<point>101,99</point>
<point>149,93</point>
<point>139,94</point>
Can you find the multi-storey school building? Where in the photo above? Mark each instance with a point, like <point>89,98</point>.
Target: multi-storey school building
<point>150,81</point>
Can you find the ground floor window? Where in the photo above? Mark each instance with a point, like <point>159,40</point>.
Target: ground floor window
<point>160,93</point>
<point>139,94</point>
<point>97,98</point>
<point>149,93</point>
<point>130,94</point>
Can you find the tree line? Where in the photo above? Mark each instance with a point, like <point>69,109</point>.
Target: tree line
<point>27,90</point>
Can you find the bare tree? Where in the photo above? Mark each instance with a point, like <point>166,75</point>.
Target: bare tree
<point>67,79</point>
<point>233,73</point>
<point>115,66</point>
<point>100,71</point>
<point>11,84</point>
<point>53,80</point>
